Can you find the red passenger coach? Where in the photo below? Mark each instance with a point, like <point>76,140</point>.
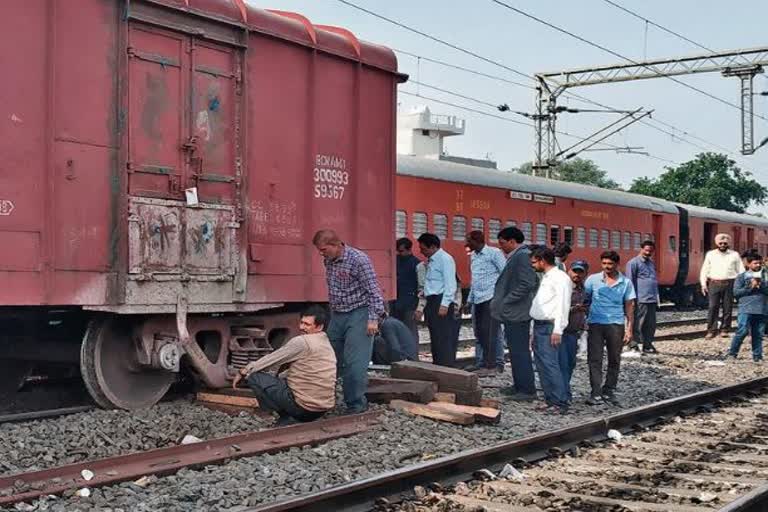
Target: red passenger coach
<point>451,199</point>
<point>164,166</point>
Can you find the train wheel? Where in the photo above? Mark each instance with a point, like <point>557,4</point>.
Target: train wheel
<point>13,374</point>
<point>110,371</point>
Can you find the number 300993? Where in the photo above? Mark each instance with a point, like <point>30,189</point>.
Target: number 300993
<point>330,183</point>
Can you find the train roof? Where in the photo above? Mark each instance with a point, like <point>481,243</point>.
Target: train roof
<point>292,27</point>
<point>450,171</point>
<point>722,215</point>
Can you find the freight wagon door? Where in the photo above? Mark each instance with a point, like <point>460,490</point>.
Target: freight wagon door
<point>184,161</point>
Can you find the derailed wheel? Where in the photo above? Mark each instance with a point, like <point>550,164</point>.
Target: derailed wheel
<point>110,371</point>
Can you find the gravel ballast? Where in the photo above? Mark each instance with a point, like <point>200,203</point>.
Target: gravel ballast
<point>682,367</point>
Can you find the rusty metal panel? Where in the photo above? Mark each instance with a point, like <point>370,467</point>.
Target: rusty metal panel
<point>210,235</point>
<point>215,162</point>
<point>154,237</point>
<point>156,112</point>
<point>169,237</point>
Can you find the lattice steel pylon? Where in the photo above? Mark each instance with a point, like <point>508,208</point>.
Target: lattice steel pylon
<point>743,63</point>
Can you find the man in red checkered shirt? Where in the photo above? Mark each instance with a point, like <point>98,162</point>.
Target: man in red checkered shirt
<point>356,306</point>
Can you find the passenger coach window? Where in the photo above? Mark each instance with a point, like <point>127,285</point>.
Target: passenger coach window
<point>459,229</point>
<point>604,238</point>
<point>511,223</point>
<point>419,224</point>
<point>554,234</point>
<point>637,240</point>
<point>401,223</point>
<point>568,235</point>
<point>615,239</point>
<point>494,226</point>
<point>478,224</point>
<point>649,236</point>
<point>440,223</point>
<point>672,243</point>
<point>581,237</point>
<point>627,242</point>
<point>593,238</point>
<point>527,232</point>
<point>541,233</point>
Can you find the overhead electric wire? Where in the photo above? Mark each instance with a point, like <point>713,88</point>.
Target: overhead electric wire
<point>495,63</point>
<point>581,138</point>
<point>616,54</point>
<point>462,68</point>
<point>470,98</point>
<point>434,38</point>
<point>660,27</point>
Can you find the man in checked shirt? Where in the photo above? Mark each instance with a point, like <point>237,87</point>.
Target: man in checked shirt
<point>356,305</point>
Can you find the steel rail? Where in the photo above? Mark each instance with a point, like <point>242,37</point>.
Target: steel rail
<point>43,414</point>
<point>164,461</point>
<point>362,494</point>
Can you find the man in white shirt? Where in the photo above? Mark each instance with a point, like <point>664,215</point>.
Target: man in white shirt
<point>720,269</point>
<point>550,310</point>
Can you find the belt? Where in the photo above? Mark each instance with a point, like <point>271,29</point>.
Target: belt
<point>720,280</point>
<point>543,321</point>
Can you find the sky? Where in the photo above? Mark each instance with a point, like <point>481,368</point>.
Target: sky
<point>694,122</point>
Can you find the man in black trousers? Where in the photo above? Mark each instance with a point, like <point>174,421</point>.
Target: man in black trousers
<point>511,304</point>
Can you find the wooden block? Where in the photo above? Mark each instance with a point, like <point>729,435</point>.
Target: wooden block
<point>490,402</point>
<point>445,377</point>
<point>481,414</point>
<point>220,398</point>
<point>445,397</point>
<point>465,397</point>
<point>383,390</point>
<point>457,417</point>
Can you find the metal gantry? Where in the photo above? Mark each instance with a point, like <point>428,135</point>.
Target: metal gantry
<point>743,63</point>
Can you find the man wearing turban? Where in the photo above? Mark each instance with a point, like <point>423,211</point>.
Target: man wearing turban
<point>720,268</point>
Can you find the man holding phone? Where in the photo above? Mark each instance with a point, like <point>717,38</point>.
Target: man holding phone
<point>752,292</point>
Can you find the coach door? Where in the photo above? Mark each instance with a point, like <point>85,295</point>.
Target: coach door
<point>184,154</point>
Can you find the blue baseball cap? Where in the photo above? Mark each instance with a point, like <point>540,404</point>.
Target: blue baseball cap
<point>580,265</point>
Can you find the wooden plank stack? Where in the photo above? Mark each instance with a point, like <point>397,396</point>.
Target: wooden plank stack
<point>435,392</point>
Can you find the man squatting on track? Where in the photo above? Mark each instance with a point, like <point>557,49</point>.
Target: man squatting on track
<point>356,305</point>
<point>308,389</point>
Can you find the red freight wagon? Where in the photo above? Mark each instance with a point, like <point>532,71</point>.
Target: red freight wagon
<point>451,199</point>
<point>165,164</point>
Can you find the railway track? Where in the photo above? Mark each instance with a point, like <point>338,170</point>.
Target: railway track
<point>697,452</point>
<point>27,486</point>
<point>43,414</point>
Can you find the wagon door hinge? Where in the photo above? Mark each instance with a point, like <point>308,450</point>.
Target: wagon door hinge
<point>239,80</point>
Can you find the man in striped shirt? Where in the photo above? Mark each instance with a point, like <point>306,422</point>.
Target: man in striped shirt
<point>486,264</point>
<point>356,305</point>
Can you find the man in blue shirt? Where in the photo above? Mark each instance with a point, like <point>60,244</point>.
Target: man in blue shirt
<point>486,264</point>
<point>439,289</point>
<point>404,307</point>
<point>611,297</point>
<point>642,272</point>
<point>751,290</point>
